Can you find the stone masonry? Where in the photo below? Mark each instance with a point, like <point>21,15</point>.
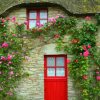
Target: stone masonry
<point>32,86</point>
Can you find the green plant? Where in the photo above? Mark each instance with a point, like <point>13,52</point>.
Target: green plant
<point>10,59</point>
<point>81,44</point>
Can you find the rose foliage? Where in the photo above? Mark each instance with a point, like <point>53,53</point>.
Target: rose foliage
<point>84,67</point>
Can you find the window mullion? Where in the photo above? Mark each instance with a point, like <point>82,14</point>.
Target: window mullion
<point>55,66</point>
<point>38,16</point>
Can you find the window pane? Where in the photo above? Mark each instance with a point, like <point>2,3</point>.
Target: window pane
<point>60,61</point>
<point>51,72</point>
<point>43,21</point>
<point>43,14</point>
<point>60,72</point>
<point>32,23</point>
<point>32,15</point>
<point>50,61</point>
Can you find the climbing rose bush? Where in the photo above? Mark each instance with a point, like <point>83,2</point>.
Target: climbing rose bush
<point>10,58</point>
<point>82,45</point>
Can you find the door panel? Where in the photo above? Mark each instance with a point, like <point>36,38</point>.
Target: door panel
<point>55,90</point>
<point>55,77</point>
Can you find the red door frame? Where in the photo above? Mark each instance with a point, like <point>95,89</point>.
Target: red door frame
<point>52,78</point>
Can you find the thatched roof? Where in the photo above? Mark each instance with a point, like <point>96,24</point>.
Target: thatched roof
<point>72,6</point>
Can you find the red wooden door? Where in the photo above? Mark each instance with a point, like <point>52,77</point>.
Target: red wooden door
<point>55,77</point>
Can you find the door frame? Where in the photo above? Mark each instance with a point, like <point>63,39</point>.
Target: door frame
<point>56,77</point>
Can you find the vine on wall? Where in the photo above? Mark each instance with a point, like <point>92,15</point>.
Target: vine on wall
<point>10,59</point>
<point>85,63</point>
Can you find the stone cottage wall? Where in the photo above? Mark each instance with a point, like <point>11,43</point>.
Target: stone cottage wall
<point>32,86</point>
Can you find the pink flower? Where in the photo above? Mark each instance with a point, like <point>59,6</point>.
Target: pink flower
<point>80,54</point>
<point>85,77</point>
<point>8,18</point>
<point>56,36</point>
<point>0,72</point>
<point>68,61</point>
<point>11,73</point>
<point>26,22</point>
<point>0,62</point>
<point>5,45</point>
<point>97,72</point>
<point>1,89</point>
<point>89,46</point>
<point>52,20</point>
<point>98,78</point>
<point>9,62</point>
<point>39,25</point>
<point>57,17</point>
<point>13,19</point>
<point>86,53</point>
<point>3,58</point>
<point>13,34</point>
<point>9,93</point>
<point>87,18</point>
<point>9,57</point>
<point>3,20</point>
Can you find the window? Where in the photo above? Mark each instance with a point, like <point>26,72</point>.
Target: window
<point>55,66</point>
<point>36,17</point>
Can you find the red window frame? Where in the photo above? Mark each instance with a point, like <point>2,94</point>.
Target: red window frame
<point>45,66</point>
<point>37,15</point>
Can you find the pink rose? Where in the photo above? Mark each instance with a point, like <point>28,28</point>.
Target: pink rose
<point>0,62</point>
<point>57,17</point>
<point>13,34</point>
<point>9,93</point>
<point>9,62</point>
<point>9,57</point>
<point>52,20</point>
<point>3,20</point>
<point>87,18</point>
<point>80,54</point>
<point>1,89</point>
<point>85,77</point>
<point>39,25</point>
<point>56,36</point>
<point>0,72</point>
<point>86,53</point>
<point>8,18</point>
<point>3,58</point>
<point>89,46</point>
<point>97,72</point>
<point>68,61</point>
<point>11,73</point>
<point>98,78</point>
<point>13,19</point>
<point>5,45</point>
